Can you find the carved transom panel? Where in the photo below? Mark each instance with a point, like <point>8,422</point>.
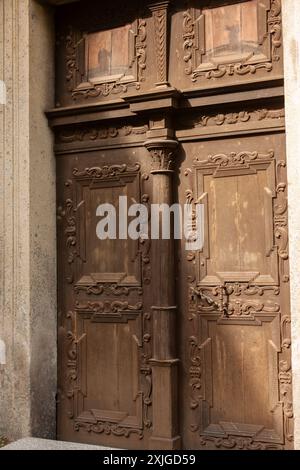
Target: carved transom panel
<point>233,39</point>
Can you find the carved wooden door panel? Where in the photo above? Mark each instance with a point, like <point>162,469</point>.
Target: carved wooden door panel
<point>166,101</point>
<point>104,375</point>
<point>235,340</point>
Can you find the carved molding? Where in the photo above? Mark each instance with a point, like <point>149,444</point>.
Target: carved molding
<point>81,134</point>
<point>108,289</point>
<point>89,420</point>
<point>141,49</point>
<point>66,214</point>
<point>105,171</point>
<point>160,17</point>
<point>247,303</point>
<point>234,159</point>
<point>162,154</point>
<point>194,41</point>
<point>195,373</point>
<point>76,73</point>
<point>108,310</point>
<point>280,219</point>
<point>240,117</point>
<point>108,428</point>
<point>108,306</point>
<point>239,443</point>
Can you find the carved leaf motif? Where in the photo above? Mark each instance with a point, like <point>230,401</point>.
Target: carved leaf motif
<point>235,159</point>
<point>188,41</point>
<point>105,171</point>
<point>195,373</point>
<point>108,428</point>
<point>240,443</point>
<point>109,307</point>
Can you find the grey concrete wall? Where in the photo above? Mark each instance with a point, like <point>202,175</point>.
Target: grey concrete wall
<point>27,224</point>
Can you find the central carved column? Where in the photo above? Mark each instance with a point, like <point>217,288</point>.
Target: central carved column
<point>164,362</point>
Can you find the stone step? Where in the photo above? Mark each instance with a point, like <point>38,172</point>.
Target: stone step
<point>33,443</point>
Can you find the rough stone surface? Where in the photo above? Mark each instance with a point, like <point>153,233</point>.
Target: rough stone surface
<point>27,222</point>
<point>32,443</point>
<point>291,42</point>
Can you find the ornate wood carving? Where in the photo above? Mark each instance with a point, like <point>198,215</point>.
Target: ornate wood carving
<point>162,152</point>
<point>108,289</point>
<point>238,443</point>
<point>76,68</point>
<point>91,420</point>
<point>241,304</point>
<point>194,45</point>
<point>100,427</point>
<point>233,118</point>
<point>81,134</point>
<point>233,160</point>
<point>160,17</point>
<point>105,171</point>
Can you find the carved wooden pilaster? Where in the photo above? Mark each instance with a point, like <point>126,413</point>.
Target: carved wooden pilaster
<point>164,362</point>
<point>160,17</point>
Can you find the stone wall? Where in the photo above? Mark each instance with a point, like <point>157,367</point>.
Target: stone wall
<point>291,41</point>
<point>27,222</point>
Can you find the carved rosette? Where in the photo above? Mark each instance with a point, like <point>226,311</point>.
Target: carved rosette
<point>162,154</point>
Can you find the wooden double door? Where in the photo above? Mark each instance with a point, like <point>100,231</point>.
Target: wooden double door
<point>160,346</point>
<point>191,345</point>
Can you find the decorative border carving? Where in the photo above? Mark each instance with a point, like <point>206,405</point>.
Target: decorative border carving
<point>229,303</point>
<point>234,159</point>
<point>105,171</point>
<point>239,443</point>
<point>160,17</point>
<point>90,422</point>
<point>191,18</point>
<point>108,289</point>
<point>111,310</point>
<point>232,118</point>
<point>280,220</point>
<point>67,215</point>
<point>81,134</point>
<point>76,73</point>
<point>100,427</point>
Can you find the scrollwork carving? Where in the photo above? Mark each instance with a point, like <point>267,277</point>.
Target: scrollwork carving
<point>275,26</point>
<point>141,49</point>
<point>234,159</point>
<point>239,117</point>
<point>188,41</point>
<point>81,134</point>
<point>78,83</point>
<point>108,289</point>
<point>105,171</point>
<point>239,443</point>
<point>231,69</point>
<point>106,427</point>
<point>67,214</point>
<point>195,373</point>
<point>194,47</point>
